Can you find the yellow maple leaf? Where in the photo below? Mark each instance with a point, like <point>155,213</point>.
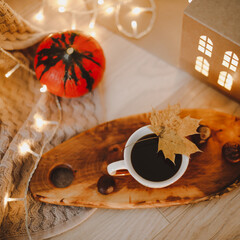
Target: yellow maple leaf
<point>172,130</point>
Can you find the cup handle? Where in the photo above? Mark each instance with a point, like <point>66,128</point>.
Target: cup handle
<point>117,169</point>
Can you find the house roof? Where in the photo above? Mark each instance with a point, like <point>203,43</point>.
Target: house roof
<point>222,16</point>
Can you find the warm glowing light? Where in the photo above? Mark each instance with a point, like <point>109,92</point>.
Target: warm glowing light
<point>135,32</point>
<point>109,10</point>
<point>73,27</point>
<point>91,24</point>
<point>61,9</point>
<point>93,34</point>
<point>39,16</point>
<point>24,148</point>
<point>205,45</point>
<point>100,2</point>
<point>134,24</point>
<point>5,201</point>
<point>189,1</point>
<point>230,60</point>
<point>202,66</point>
<point>9,73</point>
<point>15,199</point>
<point>40,122</point>
<point>225,80</point>
<point>43,88</point>
<point>136,10</point>
<point>134,27</point>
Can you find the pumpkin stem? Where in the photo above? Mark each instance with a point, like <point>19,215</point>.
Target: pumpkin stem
<point>70,50</point>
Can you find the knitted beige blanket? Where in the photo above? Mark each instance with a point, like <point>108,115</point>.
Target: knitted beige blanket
<point>20,100</point>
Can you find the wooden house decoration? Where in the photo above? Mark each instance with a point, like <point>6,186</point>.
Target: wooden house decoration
<point>210,48</point>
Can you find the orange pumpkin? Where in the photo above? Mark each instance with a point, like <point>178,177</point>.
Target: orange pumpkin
<point>70,63</point>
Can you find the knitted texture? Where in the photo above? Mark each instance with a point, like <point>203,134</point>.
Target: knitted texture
<point>18,94</point>
<point>15,32</point>
<point>78,115</point>
<point>20,100</point>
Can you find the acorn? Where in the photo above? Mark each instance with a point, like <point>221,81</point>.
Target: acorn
<point>231,152</point>
<point>106,184</point>
<point>204,132</point>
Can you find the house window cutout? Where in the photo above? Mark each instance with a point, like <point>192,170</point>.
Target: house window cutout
<point>230,60</point>
<point>205,45</point>
<point>225,80</point>
<point>202,66</point>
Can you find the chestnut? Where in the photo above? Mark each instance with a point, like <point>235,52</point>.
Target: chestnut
<point>204,132</point>
<point>106,184</point>
<point>231,152</point>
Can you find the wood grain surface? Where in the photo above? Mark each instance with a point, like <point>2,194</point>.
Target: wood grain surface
<point>89,153</point>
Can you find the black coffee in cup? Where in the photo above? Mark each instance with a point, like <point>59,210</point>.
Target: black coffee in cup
<point>151,164</point>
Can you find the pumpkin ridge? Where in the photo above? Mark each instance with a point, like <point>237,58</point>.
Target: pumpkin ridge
<point>73,75</point>
<point>66,74</point>
<point>48,52</point>
<point>83,55</point>
<point>50,61</point>
<point>63,39</point>
<point>72,38</point>
<point>56,41</point>
<point>85,75</point>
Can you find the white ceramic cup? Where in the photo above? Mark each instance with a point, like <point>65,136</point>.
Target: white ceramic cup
<point>126,164</point>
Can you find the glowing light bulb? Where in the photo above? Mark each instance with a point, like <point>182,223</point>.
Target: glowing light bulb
<point>93,34</point>
<point>24,148</point>
<point>100,2</point>
<point>73,27</point>
<point>43,88</point>
<point>91,24</point>
<point>9,73</point>
<point>136,10</point>
<point>5,201</point>
<point>39,16</point>
<point>39,122</point>
<point>109,10</point>
<point>61,9</point>
<point>189,1</point>
<point>134,27</point>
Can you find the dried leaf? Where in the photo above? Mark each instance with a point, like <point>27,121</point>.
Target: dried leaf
<point>172,131</point>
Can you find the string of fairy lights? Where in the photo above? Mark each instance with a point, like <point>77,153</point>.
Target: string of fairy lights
<point>24,146</point>
<point>99,7</point>
<point>105,7</point>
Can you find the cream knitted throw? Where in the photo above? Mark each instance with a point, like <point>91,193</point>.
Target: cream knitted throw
<point>20,100</point>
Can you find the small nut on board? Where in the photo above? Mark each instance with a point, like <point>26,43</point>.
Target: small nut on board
<point>204,132</point>
<point>106,184</point>
<point>231,152</point>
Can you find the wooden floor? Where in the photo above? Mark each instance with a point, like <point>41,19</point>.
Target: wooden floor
<point>135,81</point>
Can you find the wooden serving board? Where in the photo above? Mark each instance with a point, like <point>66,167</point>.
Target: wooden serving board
<point>88,154</point>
